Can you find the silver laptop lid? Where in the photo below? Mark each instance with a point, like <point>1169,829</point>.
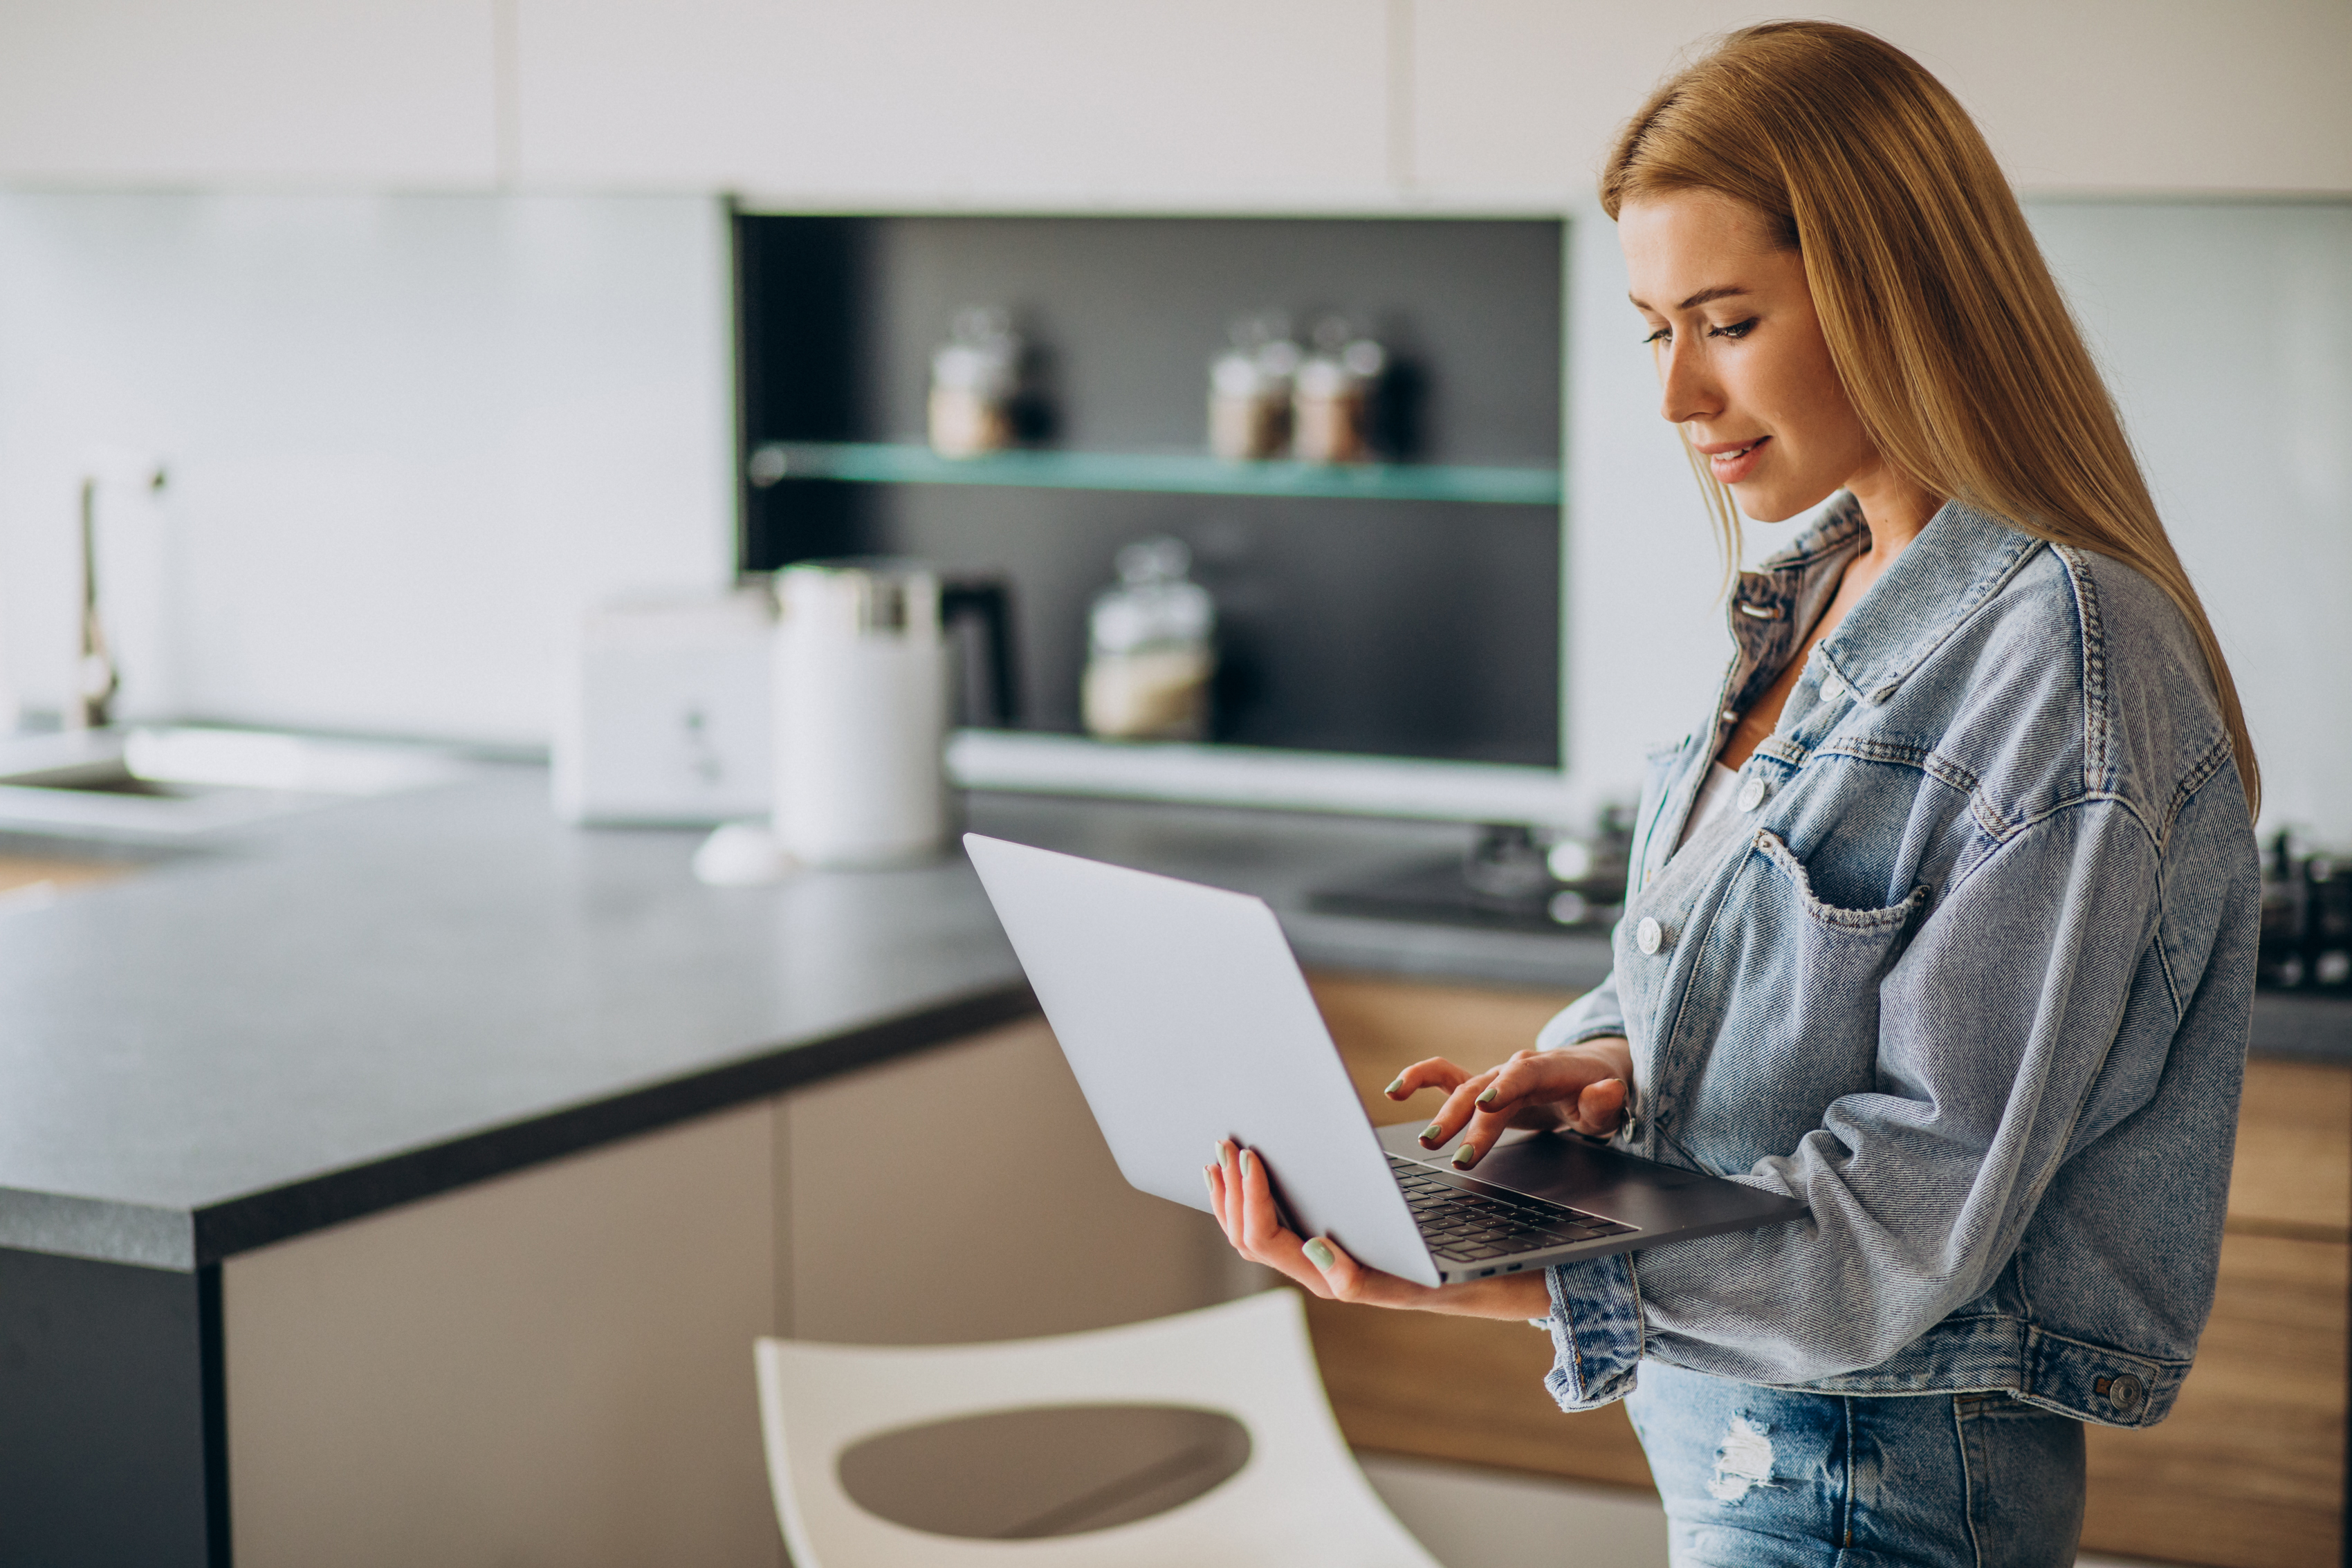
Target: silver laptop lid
<point>1185,1020</point>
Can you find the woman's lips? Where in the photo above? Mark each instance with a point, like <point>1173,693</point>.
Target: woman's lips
<point>1731,463</point>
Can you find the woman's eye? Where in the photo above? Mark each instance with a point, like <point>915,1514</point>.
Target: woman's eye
<point>1735,329</point>
<point>1663,335</point>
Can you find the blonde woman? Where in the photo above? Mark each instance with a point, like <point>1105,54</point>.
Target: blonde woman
<point>1944,918</point>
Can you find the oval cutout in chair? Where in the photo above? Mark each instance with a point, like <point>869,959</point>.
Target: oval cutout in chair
<point>1027,1474</point>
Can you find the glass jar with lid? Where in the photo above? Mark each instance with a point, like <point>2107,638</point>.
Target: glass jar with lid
<point>975,376</point>
<point>1151,650</point>
<point>1331,398</point>
<point>1250,389</point>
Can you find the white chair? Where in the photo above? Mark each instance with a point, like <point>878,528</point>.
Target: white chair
<point>1299,1497</point>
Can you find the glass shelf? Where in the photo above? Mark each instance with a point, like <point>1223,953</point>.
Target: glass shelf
<point>1169,473</point>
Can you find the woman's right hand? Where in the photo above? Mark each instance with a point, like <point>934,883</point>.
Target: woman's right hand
<point>1581,1087</point>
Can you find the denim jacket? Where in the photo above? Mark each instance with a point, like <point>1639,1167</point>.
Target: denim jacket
<point>1970,968</point>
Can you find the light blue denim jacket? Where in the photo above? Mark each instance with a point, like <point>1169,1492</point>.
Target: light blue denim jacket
<point>1969,969</point>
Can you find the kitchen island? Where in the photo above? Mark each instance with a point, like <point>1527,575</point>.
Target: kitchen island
<point>385,1006</point>
<point>426,1146</point>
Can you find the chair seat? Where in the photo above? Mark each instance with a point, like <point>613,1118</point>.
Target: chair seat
<point>1299,1499</point>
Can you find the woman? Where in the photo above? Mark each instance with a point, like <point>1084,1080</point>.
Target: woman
<point>1944,921</point>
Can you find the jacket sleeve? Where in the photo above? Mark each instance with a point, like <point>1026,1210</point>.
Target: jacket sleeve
<point>1994,1026</point>
<point>1596,1012</point>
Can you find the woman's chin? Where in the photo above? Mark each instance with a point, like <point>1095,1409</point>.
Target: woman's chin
<point>1764,503</point>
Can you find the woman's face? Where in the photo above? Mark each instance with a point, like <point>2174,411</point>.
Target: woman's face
<point>1741,353</point>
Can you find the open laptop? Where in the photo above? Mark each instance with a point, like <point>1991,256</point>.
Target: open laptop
<point>1186,1020</point>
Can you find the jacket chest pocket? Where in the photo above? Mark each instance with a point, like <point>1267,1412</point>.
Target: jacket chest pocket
<point>1781,1014</point>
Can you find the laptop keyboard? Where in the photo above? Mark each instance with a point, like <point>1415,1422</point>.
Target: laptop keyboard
<point>1463,1227</point>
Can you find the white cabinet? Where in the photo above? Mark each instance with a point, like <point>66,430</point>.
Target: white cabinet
<point>930,103</point>
<point>556,1366</point>
<point>1516,101</point>
<point>398,93</point>
<point>1301,105</point>
<point>1511,101</point>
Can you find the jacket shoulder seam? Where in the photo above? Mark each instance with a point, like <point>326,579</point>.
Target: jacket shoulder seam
<point>2098,771</point>
<point>2201,773</point>
<point>2009,834</point>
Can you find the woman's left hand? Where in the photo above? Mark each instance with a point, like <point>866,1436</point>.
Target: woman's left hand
<point>1243,1200</point>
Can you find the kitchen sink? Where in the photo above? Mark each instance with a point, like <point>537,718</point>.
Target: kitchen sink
<point>177,783</point>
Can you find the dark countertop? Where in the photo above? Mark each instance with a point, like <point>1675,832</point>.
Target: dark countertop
<point>360,1006</point>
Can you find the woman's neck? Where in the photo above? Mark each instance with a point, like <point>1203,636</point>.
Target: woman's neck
<point>1896,508</point>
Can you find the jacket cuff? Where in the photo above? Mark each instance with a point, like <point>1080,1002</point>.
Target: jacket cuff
<point>1596,1331</point>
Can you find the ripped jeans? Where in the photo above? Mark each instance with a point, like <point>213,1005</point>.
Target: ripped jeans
<point>1773,1478</point>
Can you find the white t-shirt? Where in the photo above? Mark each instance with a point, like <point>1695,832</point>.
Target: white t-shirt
<point>1713,800</point>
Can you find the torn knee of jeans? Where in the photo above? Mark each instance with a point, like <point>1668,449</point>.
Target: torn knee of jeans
<point>1744,1462</point>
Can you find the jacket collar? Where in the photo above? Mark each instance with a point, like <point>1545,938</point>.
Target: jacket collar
<point>1959,560</point>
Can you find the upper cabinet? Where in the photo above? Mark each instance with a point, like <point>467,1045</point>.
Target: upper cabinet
<point>398,94</point>
<point>1074,105</point>
<point>1052,104</point>
<point>1518,100</point>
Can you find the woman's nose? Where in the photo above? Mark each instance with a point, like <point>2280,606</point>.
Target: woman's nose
<point>1689,394</point>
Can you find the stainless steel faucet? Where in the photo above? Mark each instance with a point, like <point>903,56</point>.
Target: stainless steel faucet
<point>96,677</point>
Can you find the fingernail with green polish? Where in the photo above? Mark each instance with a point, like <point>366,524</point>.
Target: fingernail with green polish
<point>1209,1179</point>
<point>1464,1157</point>
<point>1222,1157</point>
<point>1432,1135</point>
<point>1395,1086</point>
<point>1494,1093</point>
<point>1319,1255</point>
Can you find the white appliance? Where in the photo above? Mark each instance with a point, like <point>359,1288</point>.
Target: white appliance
<point>861,707</point>
<point>666,714</point>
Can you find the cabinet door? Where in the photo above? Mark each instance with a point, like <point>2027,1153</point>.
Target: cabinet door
<point>361,92</point>
<point>550,1367</point>
<point>2248,1471</point>
<point>928,104</point>
<point>964,1194</point>
<point>1517,102</point>
<point>1387,1372</point>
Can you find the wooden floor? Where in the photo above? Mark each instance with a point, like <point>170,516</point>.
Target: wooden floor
<point>2248,1473</point>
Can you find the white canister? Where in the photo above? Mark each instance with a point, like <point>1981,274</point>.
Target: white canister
<point>861,694</point>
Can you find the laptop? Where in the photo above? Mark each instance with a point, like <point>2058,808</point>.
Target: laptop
<point>1186,1020</point>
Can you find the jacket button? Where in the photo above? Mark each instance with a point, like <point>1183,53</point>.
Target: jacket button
<point>1752,794</point>
<point>1649,935</point>
<point>2125,1392</point>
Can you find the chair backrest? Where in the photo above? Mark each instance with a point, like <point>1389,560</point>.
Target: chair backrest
<point>1299,1497</point>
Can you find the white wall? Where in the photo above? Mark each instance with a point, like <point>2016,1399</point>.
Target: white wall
<point>406,437</point>
<point>2226,334</point>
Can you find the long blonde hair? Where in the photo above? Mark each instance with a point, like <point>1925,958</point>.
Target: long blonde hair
<point>1952,340</point>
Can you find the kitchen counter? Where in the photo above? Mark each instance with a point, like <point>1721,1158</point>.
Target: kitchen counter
<point>327,1018</point>
<point>351,1010</point>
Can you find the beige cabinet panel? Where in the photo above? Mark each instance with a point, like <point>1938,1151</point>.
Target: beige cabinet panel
<point>554,1367</point>
<point>344,92</point>
<point>926,103</point>
<point>1516,101</point>
<point>964,1194</point>
<point>550,1370</point>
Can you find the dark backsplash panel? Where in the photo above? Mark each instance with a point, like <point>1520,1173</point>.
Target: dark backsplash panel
<point>1392,628</point>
